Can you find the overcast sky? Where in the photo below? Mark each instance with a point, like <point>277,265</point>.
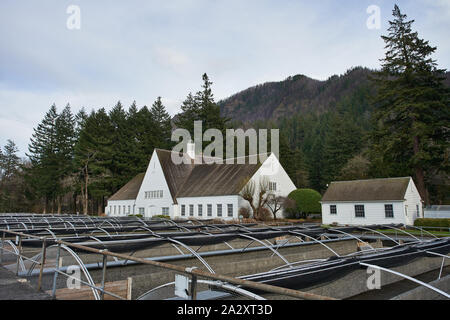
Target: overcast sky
<point>139,50</point>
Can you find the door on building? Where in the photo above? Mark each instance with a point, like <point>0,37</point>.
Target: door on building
<point>152,211</point>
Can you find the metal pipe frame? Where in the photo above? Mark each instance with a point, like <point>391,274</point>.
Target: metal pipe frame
<point>426,285</point>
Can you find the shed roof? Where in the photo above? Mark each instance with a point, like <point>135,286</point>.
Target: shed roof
<point>392,189</point>
<point>130,190</point>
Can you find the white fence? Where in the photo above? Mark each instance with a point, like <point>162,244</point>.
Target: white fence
<point>437,212</point>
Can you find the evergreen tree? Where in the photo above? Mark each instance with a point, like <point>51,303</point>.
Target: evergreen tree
<point>65,143</point>
<point>9,161</point>
<point>121,137</point>
<point>201,107</point>
<point>145,137</point>
<point>412,105</point>
<point>2,159</point>
<point>43,172</point>
<point>163,124</point>
<point>342,142</point>
<point>209,111</point>
<point>93,158</point>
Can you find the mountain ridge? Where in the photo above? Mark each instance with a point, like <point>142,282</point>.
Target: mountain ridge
<point>296,94</point>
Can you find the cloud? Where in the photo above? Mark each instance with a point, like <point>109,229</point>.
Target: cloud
<point>145,49</point>
<point>171,58</point>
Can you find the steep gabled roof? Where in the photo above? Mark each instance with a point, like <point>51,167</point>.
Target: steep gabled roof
<point>392,189</point>
<point>195,180</point>
<point>208,180</point>
<point>202,180</point>
<point>130,190</point>
<point>175,174</point>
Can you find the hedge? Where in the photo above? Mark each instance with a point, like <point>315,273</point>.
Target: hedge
<point>442,223</point>
<point>308,200</point>
<point>161,217</point>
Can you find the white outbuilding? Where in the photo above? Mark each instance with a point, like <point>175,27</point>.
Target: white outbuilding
<point>193,190</point>
<point>372,202</point>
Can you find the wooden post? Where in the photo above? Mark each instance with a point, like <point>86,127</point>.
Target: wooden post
<point>43,253</point>
<point>129,287</point>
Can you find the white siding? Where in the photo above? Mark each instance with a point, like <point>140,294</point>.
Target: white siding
<point>374,213</point>
<point>413,200</point>
<point>405,211</point>
<point>204,201</point>
<point>113,207</point>
<point>154,180</point>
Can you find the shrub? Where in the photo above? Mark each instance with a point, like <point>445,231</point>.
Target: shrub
<point>161,217</point>
<point>307,200</point>
<point>438,223</point>
<point>265,215</point>
<point>244,212</point>
<point>136,215</point>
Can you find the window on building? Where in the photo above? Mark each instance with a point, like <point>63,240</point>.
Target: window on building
<point>129,209</point>
<point>333,209</point>
<point>219,210</point>
<point>119,210</point>
<point>418,211</point>
<point>124,212</point>
<point>200,210</point>
<point>114,209</point>
<point>157,194</point>
<point>183,210</point>
<point>272,186</point>
<point>209,210</point>
<point>389,210</point>
<point>191,210</point>
<point>230,210</point>
<point>142,211</point>
<point>359,211</point>
<point>165,211</point>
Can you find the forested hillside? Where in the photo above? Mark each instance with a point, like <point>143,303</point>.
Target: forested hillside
<point>325,128</point>
<point>297,94</point>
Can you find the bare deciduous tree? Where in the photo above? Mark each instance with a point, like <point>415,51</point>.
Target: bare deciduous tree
<point>250,193</point>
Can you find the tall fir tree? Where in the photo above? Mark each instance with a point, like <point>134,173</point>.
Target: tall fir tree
<point>93,158</point>
<point>202,107</point>
<point>412,105</point>
<point>43,172</point>
<point>163,124</point>
<point>65,126</point>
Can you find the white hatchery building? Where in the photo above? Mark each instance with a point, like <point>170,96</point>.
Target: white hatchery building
<point>195,191</point>
<point>372,202</point>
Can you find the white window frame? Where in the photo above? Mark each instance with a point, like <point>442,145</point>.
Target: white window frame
<point>209,210</point>
<point>359,206</point>
<point>333,206</point>
<point>391,213</point>
<point>230,215</point>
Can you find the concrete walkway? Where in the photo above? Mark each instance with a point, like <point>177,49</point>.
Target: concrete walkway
<point>12,289</point>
